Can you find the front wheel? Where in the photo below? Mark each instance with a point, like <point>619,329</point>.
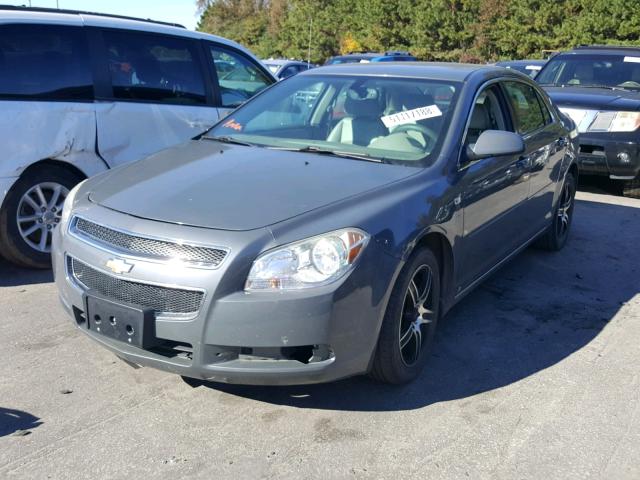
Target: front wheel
<point>410,321</point>
<point>30,213</point>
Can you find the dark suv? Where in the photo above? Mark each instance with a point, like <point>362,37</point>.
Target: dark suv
<point>599,88</point>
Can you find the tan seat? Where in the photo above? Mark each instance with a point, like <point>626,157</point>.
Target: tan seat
<point>362,124</point>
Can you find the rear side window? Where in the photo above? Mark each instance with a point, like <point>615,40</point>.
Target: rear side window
<point>238,77</point>
<point>527,107</point>
<point>44,62</point>
<point>154,68</point>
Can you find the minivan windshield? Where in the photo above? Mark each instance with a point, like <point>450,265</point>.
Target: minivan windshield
<point>592,70</point>
<point>384,119</point>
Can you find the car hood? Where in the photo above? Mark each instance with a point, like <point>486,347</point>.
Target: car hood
<point>214,185</point>
<point>595,98</point>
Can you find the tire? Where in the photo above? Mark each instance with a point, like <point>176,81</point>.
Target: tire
<point>18,243</point>
<point>393,363</point>
<point>556,236</point>
<point>631,188</point>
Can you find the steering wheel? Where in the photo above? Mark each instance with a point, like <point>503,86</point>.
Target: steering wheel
<point>416,127</point>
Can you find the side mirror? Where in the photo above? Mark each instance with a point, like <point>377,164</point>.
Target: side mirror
<point>496,143</point>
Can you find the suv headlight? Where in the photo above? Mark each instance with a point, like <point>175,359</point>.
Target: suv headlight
<point>312,262</point>
<point>615,122</point>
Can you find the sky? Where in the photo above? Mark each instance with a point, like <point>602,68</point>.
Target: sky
<point>176,11</point>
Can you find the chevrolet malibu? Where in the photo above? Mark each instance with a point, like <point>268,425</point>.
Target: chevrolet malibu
<point>322,229</point>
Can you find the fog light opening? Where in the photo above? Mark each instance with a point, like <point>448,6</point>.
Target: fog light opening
<point>624,157</point>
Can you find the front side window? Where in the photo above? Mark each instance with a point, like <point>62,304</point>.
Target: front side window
<point>154,68</point>
<point>592,70</point>
<point>44,62</point>
<point>238,77</point>
<point>486,115</point>
<point>526,106</point>
<point>395,120</point>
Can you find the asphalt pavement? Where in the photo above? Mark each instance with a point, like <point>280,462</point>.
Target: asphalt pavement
<point>535,375</point>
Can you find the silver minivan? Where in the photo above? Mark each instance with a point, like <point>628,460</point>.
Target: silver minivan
<point>81,93</point>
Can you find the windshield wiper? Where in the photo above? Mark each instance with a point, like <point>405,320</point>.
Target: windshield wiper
<point>227,139</point>
<point>335,153</point>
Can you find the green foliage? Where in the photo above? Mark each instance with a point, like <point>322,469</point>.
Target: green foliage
<point>450,30</point>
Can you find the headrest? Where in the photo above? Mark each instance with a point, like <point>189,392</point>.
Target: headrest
<point>415,100</point>
<point>359,105</point>
<point>480,118</point>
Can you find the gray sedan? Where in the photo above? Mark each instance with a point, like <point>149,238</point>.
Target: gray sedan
<point>322,229</point>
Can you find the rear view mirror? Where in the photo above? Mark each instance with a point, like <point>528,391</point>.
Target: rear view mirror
<point>496,143</point>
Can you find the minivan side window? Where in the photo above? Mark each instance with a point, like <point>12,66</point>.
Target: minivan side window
<point>526,106</point>
<point>238,77</point>
<point>154,68</point>
<point>44,62</point>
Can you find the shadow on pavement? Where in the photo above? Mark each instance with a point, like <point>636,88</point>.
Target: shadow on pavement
<point>12,276</point>
<point>12,421</point>
<point>535,312</point>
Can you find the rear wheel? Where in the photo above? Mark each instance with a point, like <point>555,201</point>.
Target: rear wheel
<point>30,213</point>
<point>410,321</point>
<point>556,236</point>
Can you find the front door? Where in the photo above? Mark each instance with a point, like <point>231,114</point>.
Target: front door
<point>158,95</point>
<point>494,193</point>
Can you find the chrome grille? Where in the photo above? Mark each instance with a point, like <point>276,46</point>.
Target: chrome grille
<point>147,247</point>
<point>160,299</point>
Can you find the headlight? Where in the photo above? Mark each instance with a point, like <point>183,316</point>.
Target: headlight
<point>615,122</point>
<point>312,262</point>
<point>68,203</point>
<point>603,121</point>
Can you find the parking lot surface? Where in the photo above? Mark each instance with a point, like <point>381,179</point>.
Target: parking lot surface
<point>534,375</point>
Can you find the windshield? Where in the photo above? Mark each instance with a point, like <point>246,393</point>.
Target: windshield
<point>598,70</point>
<point>395,120</point>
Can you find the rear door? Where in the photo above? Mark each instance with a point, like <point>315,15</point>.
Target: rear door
<point>155,93</point>
<point>545,144</point>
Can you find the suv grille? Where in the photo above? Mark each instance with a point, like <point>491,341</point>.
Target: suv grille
<point>160,299</point>
<point>147,247</point>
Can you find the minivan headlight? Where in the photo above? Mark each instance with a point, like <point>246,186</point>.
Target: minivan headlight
<point>312,262</point>
<point>68,203</point>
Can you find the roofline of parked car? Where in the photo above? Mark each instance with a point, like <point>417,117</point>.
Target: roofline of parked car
<point>608,47</point>
<point>82,12</point>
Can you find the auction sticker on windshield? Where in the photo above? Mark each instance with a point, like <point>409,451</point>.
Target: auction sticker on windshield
<point>632,59</point>
<point>410,116</point>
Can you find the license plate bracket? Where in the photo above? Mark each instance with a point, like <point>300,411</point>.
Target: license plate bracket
<point>124,322</point>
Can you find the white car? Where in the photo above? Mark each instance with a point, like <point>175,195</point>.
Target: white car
<point>81,93</point>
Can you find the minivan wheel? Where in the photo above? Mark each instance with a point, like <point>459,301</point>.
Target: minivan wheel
<point>410,321</point>
<point>30,213</point>
<point>556,236</point>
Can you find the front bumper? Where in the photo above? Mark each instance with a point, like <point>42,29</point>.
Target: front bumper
<point>277,338</point>
<point>616,155</point>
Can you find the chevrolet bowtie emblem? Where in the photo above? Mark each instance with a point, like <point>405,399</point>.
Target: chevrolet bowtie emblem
<point>118,266</point>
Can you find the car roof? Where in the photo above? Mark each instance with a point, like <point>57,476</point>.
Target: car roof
<point>536,61</point>
<point>430,70</point>
<point>12,14</point>
<point>604,49</point>
<point>281,61</point>
<point>374,55</point>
